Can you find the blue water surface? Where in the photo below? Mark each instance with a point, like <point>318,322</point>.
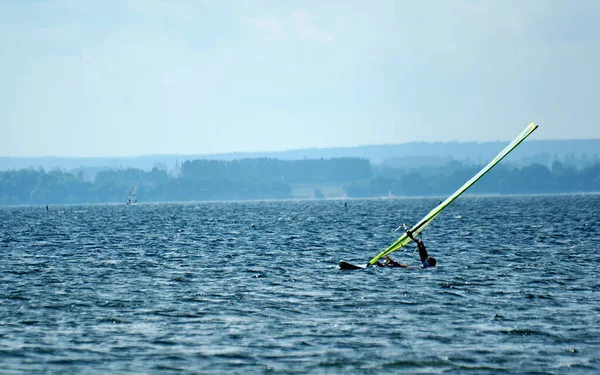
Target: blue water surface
<point>253,288</point>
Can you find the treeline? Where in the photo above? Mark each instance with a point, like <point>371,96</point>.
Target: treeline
<point>273,179</point>
<point>197,180</point>
<point>532,179</point>
<point>288,171</point>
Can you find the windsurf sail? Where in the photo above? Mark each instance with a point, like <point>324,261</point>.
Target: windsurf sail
<point>131,196</point>
<point>421,225</point>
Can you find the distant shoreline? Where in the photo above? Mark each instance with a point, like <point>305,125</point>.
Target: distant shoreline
<point>273,179</point>
<point>465,195</point>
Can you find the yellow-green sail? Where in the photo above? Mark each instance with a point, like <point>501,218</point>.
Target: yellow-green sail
<point>418,228</point>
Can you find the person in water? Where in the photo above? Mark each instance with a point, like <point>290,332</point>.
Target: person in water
<point>425,258</point>
<point>389,262</point>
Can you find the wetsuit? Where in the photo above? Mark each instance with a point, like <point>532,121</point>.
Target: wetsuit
<point>422,250</point>
<point>422,253</point>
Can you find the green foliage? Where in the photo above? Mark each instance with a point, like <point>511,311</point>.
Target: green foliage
<point>272,179</point>
<point>200,180</point>
<point>289,171</point>
<point>531,179</point>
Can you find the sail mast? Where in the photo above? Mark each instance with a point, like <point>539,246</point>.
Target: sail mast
<point>421,225</point>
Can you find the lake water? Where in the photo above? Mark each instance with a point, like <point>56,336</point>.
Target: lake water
<point>253,288</point>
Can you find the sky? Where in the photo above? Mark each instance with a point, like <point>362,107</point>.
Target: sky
<point>137,77</point>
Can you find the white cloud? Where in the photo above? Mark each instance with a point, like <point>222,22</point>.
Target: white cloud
<point>305,29</point>
<point>178,11</point>
<point>300,24</point>
<point>272,27</point>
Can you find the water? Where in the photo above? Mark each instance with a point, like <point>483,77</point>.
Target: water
<point>195,288</point>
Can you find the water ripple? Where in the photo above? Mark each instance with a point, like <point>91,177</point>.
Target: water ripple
<point>252,287</point>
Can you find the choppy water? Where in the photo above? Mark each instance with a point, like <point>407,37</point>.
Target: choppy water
<point>195,288</point>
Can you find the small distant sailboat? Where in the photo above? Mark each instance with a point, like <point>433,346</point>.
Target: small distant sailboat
<point>132,196</point>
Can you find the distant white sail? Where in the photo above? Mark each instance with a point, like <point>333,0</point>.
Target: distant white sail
<point>132,196</point>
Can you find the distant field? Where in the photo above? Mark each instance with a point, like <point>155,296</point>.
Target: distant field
<point>306,191</point>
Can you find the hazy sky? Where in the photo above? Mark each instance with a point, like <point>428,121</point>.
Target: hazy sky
<point>121,78</point>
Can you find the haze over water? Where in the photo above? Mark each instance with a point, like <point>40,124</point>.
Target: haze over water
<point>195,288</point>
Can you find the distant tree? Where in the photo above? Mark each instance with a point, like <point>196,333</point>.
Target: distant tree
<point>270,179</point>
